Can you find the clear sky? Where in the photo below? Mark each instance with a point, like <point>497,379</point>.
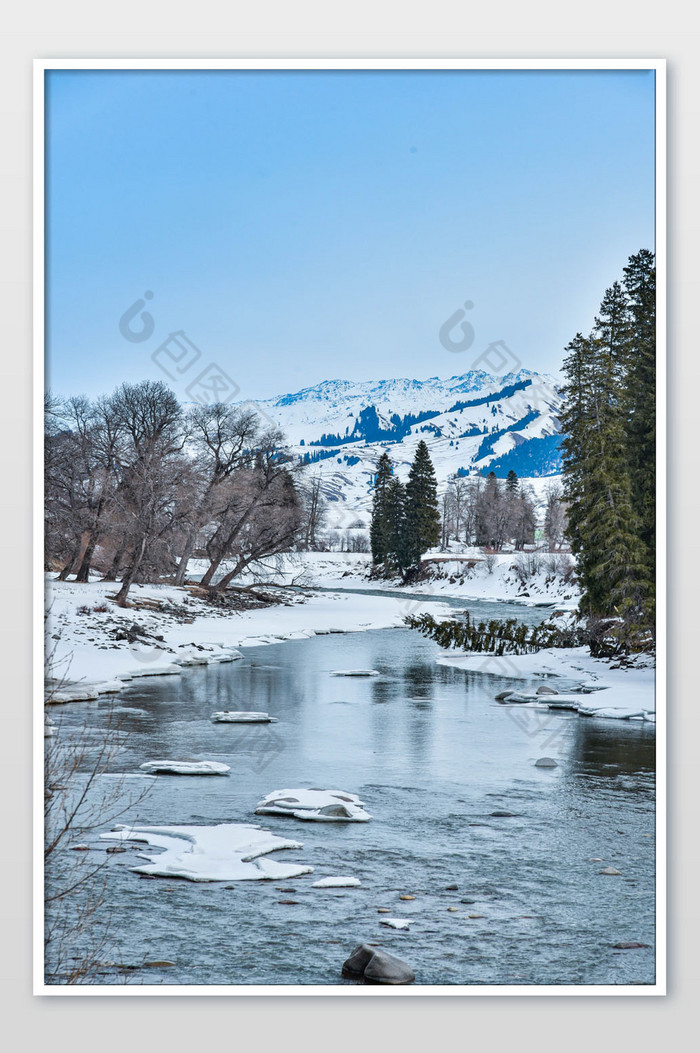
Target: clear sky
<point>303,226</point>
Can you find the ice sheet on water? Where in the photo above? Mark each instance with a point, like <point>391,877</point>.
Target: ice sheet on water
<point>242,716</point>
<point>225,852</point>
<point>337,882</point>
<point>354,672</point>
<point>173,767</point>
<point>320,805</point>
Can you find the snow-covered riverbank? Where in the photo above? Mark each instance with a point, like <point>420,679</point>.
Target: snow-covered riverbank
<point>509,576</point>
<point>94,644</point>
<point>613,693</point>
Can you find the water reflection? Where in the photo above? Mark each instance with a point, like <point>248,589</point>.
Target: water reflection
<point>434,757</point>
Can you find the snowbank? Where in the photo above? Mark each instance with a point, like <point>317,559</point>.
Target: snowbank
<point>92,642</point>
<point>319,805</point>
<point>227,852</point>
<point>606,692</point>
<point>465,573</point>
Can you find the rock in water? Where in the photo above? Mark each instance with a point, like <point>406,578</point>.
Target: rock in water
<point>503,814</point>
<point>544,690</point>
<point>375,966</point>
<point>630,945</point>
<point>546,762</point>
<point>611,872</point>
<point>503,695</point>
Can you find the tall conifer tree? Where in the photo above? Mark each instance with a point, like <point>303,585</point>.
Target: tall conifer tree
<point>422,518</point>
<point>381,525</point>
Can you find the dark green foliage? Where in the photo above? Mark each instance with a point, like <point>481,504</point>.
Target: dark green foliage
<point>606,637</point>
<point>422,519</point>
<point>405,520</point>
<point>495,637</point>
<point>380,529</point>
<point>608,451</point>
<point>640,394</point>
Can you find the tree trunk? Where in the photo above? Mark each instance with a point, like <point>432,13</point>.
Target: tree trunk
<point>185,558</point>
<point>113,571</point>
<point>84,568</point>
<point>131,573</point>
<point>210,572</point>
<point>68,569</point>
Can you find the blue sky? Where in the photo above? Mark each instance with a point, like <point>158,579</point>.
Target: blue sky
<point>303,226</point>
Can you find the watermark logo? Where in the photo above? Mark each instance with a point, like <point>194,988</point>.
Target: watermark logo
<point>176,356</point>
<point>177,352</point>
<point>145,330</point>
<point>212,385</point>
<point>260,742</point>
<point>447,334</point>
<point>538,723</point>
<point>497,358</point>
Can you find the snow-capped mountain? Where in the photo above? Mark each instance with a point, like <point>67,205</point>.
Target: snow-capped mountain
<point>471,423</point>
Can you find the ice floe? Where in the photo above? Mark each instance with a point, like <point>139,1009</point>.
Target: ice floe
<point>337,882</point>
<point>242,716</point>
<point>319,805</point>
<point>395,923</point>
<point>354,672</point>
<point>171,767</point>
<point>225,852</point>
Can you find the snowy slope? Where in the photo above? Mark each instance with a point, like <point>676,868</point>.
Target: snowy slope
<point>471,422</point>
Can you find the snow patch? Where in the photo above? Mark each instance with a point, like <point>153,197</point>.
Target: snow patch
<point>226,852</point>
<point>169,767</point>
<point>319,805</point>
<point>337,882</point>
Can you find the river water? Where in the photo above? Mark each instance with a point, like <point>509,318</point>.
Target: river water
<point>432,756</point>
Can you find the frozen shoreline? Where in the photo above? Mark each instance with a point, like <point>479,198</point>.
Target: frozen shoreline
<point>88,657</point>
<point>615,694</point>
<point>463,575</point>
<point>97,650</point>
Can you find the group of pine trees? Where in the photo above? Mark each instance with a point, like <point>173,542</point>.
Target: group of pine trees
<point>405,519</point>
<point>609,451</point>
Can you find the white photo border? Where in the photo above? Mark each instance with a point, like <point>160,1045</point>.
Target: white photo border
<point>43,66</point>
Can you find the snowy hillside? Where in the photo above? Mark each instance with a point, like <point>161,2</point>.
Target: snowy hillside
<point>471,422</point>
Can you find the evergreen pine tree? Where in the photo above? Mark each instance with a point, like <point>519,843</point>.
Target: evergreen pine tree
<point>602,527</point>
<point>640,395</point>
<point>381,525</point>
<point>512,482</point>
<point>396,557</point>
<point>422,519</point>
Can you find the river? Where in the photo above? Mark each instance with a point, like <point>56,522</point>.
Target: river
<point>432,755</point>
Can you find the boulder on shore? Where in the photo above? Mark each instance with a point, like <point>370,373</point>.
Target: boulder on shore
<point>375,966</point>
